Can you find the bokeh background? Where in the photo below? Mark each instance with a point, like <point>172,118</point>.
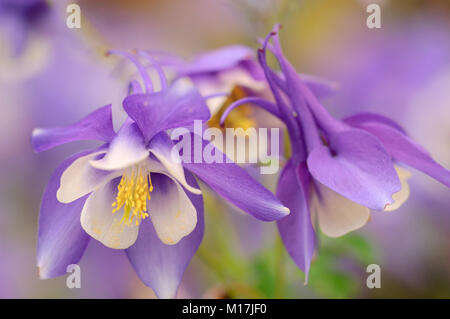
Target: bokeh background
<point>51,76</point>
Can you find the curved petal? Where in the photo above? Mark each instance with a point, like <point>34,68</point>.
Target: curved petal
<point>80,178</point>
<point>359,169</point>
<point>95,126</point>
<point>405,150</point>
<point>321,87</point>
<point>235,185</point>
<point>240,76</point>
<point>217,60</point>
<point>126,148</point>
<point>98,220</point>
<point>61,240</point>
<point>401,196</point>
<point>177,106</point>
<point>358,120</point>
<point>171,211</point>
<point>161,266</point>
<point>270,107</point>
<point>296,229</point>
<point>337,215</point>
<point>162,147</point>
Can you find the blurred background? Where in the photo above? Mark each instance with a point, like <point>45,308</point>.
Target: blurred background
<point>51,75</point>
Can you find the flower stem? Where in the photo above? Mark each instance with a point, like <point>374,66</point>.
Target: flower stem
<point>279,286</point>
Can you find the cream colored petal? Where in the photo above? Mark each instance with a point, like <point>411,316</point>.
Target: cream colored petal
<point>336,214</point>
<point>172,163</point>
<point>241,77</point>
<point>401,196</point>
<point>80,178</point>
<point>100,223</point>
<point>171,211</point>
<point>207,87</point>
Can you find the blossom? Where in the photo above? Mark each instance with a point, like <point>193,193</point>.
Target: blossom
<point>339,169</point>
<point>133,192</point>
<point>232,74</point>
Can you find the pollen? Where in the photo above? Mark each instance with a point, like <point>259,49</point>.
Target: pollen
<point>133,192</point>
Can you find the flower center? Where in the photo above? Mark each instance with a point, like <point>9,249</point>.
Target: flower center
<point>133,192</point>
<point>239,117</point>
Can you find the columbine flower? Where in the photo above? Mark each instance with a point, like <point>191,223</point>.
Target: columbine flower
<point>339,170</point>
<point>133,193</point>
<point>232,74</point>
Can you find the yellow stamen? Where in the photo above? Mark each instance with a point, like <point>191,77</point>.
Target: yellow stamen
<point>239,117</point>
<point>133,192</point>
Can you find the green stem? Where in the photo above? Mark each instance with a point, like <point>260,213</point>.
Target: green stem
<point>279,268</point>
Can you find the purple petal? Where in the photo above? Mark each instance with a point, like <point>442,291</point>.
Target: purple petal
<point>95,126</point>
<point>358,120</point>
<point>260,102</point>
<point>320,87</point>
<point>126,148</point>
<point>358,167</point>
<point>161,266</point>
<point>61,240</point>
<point>296,230</point>
<point>177,106</point>
<point>217,60</point>
<point>252,67</point>
<point>404,149</point>
<point>235,185</point>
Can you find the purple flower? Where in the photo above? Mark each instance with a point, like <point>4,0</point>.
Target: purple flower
<point>339,170</point>
<point>230,74</point>
<point>133,193</point>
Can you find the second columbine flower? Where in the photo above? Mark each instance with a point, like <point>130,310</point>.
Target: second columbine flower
<point>339,169</point>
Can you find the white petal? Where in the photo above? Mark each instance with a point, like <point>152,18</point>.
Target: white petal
<point>162,149</point>
<point>126,149</point>
<point>241,77</point>
<point>337,215</point>
<point>171,211</point>
<point>211,86</point>
<point>80,178</point>
<point>401,196</point>
<point>100,223</point>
